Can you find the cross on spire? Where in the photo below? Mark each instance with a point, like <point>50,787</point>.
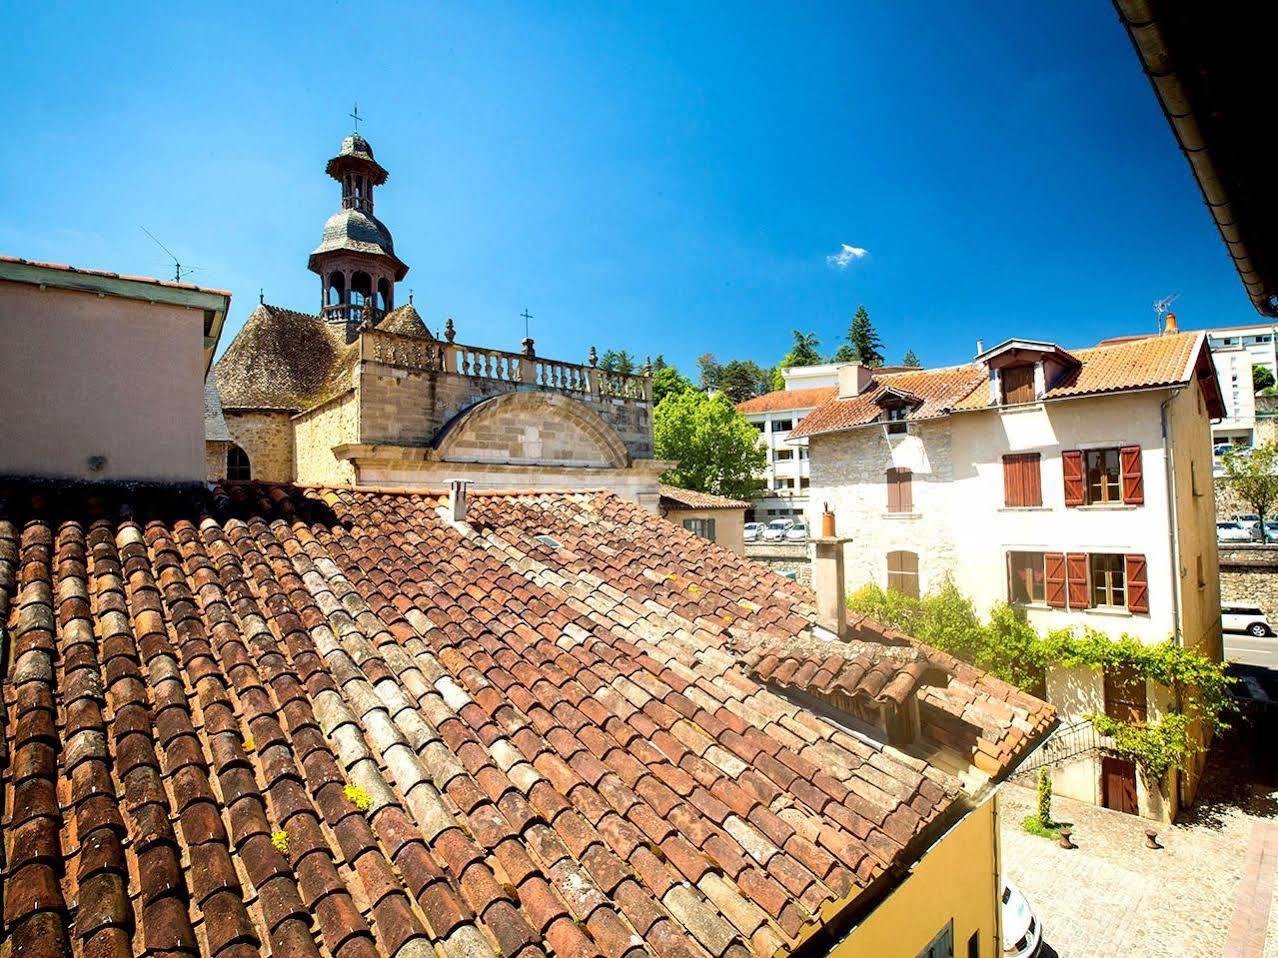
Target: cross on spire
<point>355,114</point>
<point>527,316</point>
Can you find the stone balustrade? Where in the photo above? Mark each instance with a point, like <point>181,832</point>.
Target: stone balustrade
<point>410,352</point>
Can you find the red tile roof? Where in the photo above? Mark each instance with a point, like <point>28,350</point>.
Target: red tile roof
<point>939,389</point>
<point>331,722</point>
<point>1112,367</point>
<point>676,498</point>
<point>788,400</point>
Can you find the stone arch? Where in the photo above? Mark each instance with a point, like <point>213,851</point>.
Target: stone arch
<point>532,427</point>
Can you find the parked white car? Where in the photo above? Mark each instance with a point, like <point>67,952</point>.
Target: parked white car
<point>1248,522</point>
<point>752,530</point>
<point>797,532</point>
<point>1248,636</point>
<point>1230,530</point>
<point>775,530</point>
<point>1022,931</point>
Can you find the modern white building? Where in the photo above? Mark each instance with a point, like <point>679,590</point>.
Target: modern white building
<point>1073,485</point>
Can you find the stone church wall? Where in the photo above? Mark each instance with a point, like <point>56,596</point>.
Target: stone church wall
<point>316,432</point>
<point>267,438</point>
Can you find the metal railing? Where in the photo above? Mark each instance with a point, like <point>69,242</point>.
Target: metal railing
<point>1068,742</point>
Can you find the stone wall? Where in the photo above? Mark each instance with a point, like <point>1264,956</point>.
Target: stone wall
<point>1249,573</point>
<point>408,407</point>
<point>215,458</point>
<point>533,427</point>
<point>316,432</point>
<point>849,473</point>
<point>783,558</point>
<point>267,438</point>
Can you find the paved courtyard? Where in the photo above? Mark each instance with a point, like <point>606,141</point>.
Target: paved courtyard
<point>1208,892</point>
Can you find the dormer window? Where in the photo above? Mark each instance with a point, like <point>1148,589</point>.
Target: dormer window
<point>895,418</point>
<point>1018,384</point>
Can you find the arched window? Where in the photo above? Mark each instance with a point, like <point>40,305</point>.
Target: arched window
<point>237,464</point>
<point>383,295</point>
<point>361,289</point>
<point>336,289</point>
<point>903,573</point>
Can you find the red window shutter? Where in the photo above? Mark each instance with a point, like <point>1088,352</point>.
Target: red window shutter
<point>1022,485</point>
<point>1011,481</point>
<point>1031,473</point>
<point>1054,574</point>
<point>905,480</point>
<point>1072,463</point>
<point>893,491</point>
<point>1133,481</point>
<point>1137,584</point>
<point>1076,576</point>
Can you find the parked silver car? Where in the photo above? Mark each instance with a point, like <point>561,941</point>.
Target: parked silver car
<point>1230,530</point>
<point>797,532</point>
<point>775,530</point>
<point>1248,636</point>
<point>752,531</point>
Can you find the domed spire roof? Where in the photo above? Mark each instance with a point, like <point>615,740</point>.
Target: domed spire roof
<point>356,154</point>
<point>355,231</point>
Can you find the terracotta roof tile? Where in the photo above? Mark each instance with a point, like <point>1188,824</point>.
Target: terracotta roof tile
<point>673,497</point>
<point>372,732</point>
<point>788,400</point>
<point>938,389</point>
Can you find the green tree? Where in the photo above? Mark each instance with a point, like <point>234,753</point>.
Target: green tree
<point>864,340</point>
<point>1261,378</point>
<point>910,359</point>
<point>708,369</point>
<point>804,352</point>
<point>717,449</point>
<point>668,380</point>
<point>659,363</point>
<point>1253,478</point>
<point>740,380</point>
<point>617,361</point>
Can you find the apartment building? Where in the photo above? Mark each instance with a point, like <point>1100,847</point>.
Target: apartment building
<point>786,475</point>
<point>1075,485</point>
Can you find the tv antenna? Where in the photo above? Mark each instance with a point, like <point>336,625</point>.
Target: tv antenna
<point>1161,306</point>
<point>178,269</point>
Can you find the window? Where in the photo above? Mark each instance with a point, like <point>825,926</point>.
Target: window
<point>700,527</point>
<point>785,455</point>
<point>900,490</point>
<point>804,482</point>
<point>1022,482</point>
<point>1109,580</point>
<point>237,464</point>
<point>1124,694</point>
<point>1018,384</point>
<point>903,573</point>
<point>974,945</point>
<point>942,946</point>
<point>782,425</point>
<point>803,452</point>
<point>1026,578</point>
<point>761,425</point>
<point>1103,476</point>
<point>895,419</point>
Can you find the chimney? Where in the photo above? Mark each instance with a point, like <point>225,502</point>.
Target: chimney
<point>1171,325</point>
<point>457,499</point>
<point>980,346</point>
<point>827,577</point>
<point>853,378</point>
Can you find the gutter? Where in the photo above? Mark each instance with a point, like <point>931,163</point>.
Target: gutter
<point>1173,539</point>
<point>1147,38</point>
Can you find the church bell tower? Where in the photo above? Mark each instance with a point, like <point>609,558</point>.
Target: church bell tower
<point>356,260</point>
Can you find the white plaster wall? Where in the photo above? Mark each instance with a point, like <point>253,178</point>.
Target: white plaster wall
<point>83,375</point>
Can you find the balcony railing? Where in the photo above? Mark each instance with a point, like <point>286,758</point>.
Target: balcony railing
<point>411,352</point>
<point>351,313</point>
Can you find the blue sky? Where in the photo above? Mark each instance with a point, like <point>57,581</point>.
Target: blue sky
<point>666,178</point>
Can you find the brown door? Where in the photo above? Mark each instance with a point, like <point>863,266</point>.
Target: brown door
<point>1118,785</point>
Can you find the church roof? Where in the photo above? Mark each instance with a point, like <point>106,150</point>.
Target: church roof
<point>356,151</point>
<point>332,721</point>
<point>355,231</point>
<point>284,360</point>
<point>405,321</point>
<point>214,422</point>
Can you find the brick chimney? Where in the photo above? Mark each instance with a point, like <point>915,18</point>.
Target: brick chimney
<point>827,576</point>
<point>853,378</point>
<point>1170,325</point>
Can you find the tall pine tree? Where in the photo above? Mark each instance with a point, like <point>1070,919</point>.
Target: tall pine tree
<point>864,339</point>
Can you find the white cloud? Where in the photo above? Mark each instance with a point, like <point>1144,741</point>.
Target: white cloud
<point>846,256</point>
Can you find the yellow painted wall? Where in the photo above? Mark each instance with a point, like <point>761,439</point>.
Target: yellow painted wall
<point>729,524</point>
<point>957,879</point>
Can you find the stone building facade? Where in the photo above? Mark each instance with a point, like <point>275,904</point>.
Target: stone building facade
<point>362,393</point>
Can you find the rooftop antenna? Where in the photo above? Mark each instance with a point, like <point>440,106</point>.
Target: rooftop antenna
<point>1161,306</point>
<point>178,269</point>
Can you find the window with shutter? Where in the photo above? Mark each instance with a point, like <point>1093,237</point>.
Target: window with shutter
<point>900,490</point>
<point>1018,384</point>
<point>1109,580</point>
<point>1133,481</point>
<point>1022,483</point>
<point>1138,583</point>
<point>1072,464</point>
<point>1076,579</point>
<point>903,573</point>
<point>1025,578</point>
<point>1054,574</point>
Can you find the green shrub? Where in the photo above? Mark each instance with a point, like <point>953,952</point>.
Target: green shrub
<point>1044,798</point>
